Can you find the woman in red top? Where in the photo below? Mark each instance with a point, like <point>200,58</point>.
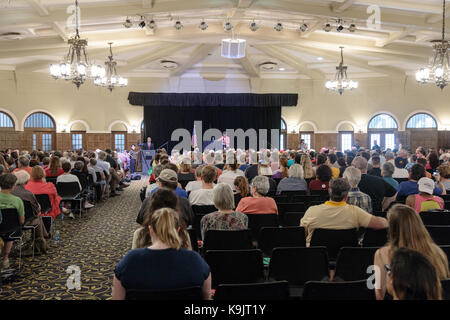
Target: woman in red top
<point>38,185</point>
<point>54,170</point>
<point>323,174</point>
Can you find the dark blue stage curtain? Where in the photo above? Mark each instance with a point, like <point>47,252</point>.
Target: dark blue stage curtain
<point>165,112</point>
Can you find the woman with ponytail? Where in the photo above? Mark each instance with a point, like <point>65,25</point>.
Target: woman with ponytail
<point>165,264</point>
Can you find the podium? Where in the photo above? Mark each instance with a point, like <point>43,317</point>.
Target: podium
<point>213,145</point>
<point>146,160</point>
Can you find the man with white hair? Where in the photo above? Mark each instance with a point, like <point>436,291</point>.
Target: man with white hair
<point>355,196</point>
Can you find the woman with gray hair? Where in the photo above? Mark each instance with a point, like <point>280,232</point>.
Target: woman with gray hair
<point>225,218</point>
<point>258,203</point>
<point>20,191</point>
<point>295,181</point>
<point>355,196</point>
<point>386,172</point>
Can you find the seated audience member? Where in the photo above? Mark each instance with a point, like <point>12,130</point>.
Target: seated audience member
<point>185,175</point>
<point>323,177</point>
<point>241,189</point>
<point>331,160</point>
<point>400,171</point>
<point>230,173</point>
<point>258,203</point>
<point>337,214</point>
<point>163,198</point>
<point>156,172</point>
<point>424,200</point>
<point>197,184</point>
<point>265,170</point>
<point>295,182</point>
<point>4,163</point>
<point>375,187</point>
<point>178,190</point>
<point>45,163</point>
<point>355,196</point>
<point>410,187</point>
<point>375,171</point>
<point>204,196</point>
<point>67,176</point>
<point>411,276</point>
<point>252,169</point>
<point>342,166</point>
<point>9,201</point>
<point>40,233</point>
<point>225,218</point>
<point>366,155</point>
<point>54,168</point>
<point>411,161</point>
<point>305,162</point>
<point>38,185</point>
<point>163,265</point>
<point>386,173</point>
<point>424,163</point>
<point>407,230</point>
<point>291,159</point>
<point>433,162</point>
<point>24,164</point>
<point>443,176</point>
<point>282,171</point>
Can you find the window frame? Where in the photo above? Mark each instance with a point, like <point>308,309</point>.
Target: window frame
<point>421,113</point>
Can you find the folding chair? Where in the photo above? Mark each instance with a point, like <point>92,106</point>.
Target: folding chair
<point>297,266</point>
<point>323,194</point>
<point>191,293</point>
<point>70,192</point>
<point>352,263</point>
<point>445,289</point>
<point>276,290</point>
<point>291,207</point>
<point>46,207</point>
<point>51,179</point>
<point>228,240</point>
<point>292,219</point>
<point>270,238</point>
<point>199,212</point>
<point>29,215</point>
<point>11,229</point>
<point>350,290</point>
<point>193,238</point>
<point>334,240</point>
<point>235,266</point>
<point>257,221</point>
<point>305,199</point>
<point>375,238</point>
<point>440,234</point>
<point>435,218</point>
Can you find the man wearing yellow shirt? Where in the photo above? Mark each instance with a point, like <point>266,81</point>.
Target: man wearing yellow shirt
<point>337,214</point>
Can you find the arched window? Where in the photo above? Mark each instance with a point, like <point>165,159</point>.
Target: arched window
<point>382,131</point>
<point>421,121</point>
<point>383,121</point>
<point>6,121</point>
<point>283,134</point>
<point>39,120</point>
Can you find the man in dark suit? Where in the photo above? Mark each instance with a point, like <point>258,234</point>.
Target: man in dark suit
<point>148,145</point>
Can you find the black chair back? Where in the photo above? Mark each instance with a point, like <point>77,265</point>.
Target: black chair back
<point>82,177</point>
<point>352,263</point>
<point>375,238</point>
<point>323,194</point>
<point>352,290</point>
<point>258,221</point>
<point>292,219</point>
<point>99,176</point>
<point>44,202</point>
<point>193,238</point>
<point>10,221</point>
<point>445,197</point>
<point>51,179</point>
<point>305,198</point>
<point>270,238</point>
<point>291,207</point>
<point>29,213</point>
<point>334,240</point>
<point>440,234</point>
<point>445,289</point>
<point>435,218</point>
<point>276,290</point>
<point>235,266</point>
<point>292,193</point>
<point>298,265</point>
<point>67,189</point>
<point>277,180</point>
<point>192,293</point>
<point>228,240</point>
<point>199,212</point>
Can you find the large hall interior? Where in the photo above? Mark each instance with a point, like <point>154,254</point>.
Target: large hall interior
<point>343,107</point>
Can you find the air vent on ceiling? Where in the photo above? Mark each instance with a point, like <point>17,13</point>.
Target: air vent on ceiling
<point>168,64</point>
<point>11,36</point>
<point>268,66</point>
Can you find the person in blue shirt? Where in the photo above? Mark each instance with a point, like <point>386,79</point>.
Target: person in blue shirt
<point>164,265</point>
<point>410,187</point>
<point>169,178</point>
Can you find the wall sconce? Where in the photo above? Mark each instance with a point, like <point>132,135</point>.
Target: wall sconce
<point>63,127</point>
<point>134,128</point>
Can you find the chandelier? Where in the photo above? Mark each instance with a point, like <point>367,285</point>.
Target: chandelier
<point>76,66</point>
<point>438,69</point>
<point>108,77</point>
<point>341,82</point>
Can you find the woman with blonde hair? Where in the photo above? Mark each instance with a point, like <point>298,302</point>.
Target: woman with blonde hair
<point>306,163</point>
<point>164,265</point>
<point>406,230</point>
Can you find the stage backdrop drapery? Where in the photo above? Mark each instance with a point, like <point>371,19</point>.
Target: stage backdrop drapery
<point>165,112</point>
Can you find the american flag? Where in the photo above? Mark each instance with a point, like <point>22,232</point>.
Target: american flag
<point>194,138</point>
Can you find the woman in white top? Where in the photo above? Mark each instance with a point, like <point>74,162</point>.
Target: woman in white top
<point>229,174</point>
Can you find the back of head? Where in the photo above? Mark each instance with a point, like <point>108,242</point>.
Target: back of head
<point>162,198</point>
<point>223,197</point>
<point>321,159</point>
<point>388,169</point>
<point>198,171</point>
<point>376,160</point>
<point>324,173</point>
<point>332,157</point>
<point>444,171</point>
<point>360,163</point>
<point>168,179</point>
<point>66,166</point>
<point>157,170</point>
<point>37,173</point>
<point>22,177</point>
<point>365,155</point>
<point>164,223</point>
<point>261,184</point>
<point>24,161</point>
<point>389,155</point>
<point>93,161</point>
<point>241,185</point>
<point>7,181</point>
<point>296,171</point>
<point>414,277</point>
<point>209,174</point>
<point>79,165</point>
<point>339,189</point>
<point>171,166</point>
<point>417,171</point>
<point>353,176</point>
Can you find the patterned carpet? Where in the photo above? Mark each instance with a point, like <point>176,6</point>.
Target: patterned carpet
<point>95,243</point>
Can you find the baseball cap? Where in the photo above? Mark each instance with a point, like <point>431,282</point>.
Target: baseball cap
<point>426,185</point>
<point>400,162</point>
<point>168,175</point>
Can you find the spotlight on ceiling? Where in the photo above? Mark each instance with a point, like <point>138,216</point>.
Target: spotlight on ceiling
<point>227,26</point>
<point>178,25</point>
<point>327,27</point>
<point>203,25</point>
<point>253,26</point>
<point>128,23</point>
<point>152,24</point>
<point>303,27</point>
<point>142,23</point>
<point>340,28</point>
<point>352,27</point>
<point>278,27</point>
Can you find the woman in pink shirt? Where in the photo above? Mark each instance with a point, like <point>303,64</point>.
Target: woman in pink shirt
<point>258,203</point>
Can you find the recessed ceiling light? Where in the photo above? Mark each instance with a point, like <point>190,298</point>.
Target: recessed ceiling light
<point>319,58</point>
<point>282,69</point>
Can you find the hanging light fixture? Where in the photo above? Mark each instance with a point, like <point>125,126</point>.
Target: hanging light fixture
<point>341,82</point>
<point>76,66</point>
<point>109,77</point>
<point>438,71</point>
